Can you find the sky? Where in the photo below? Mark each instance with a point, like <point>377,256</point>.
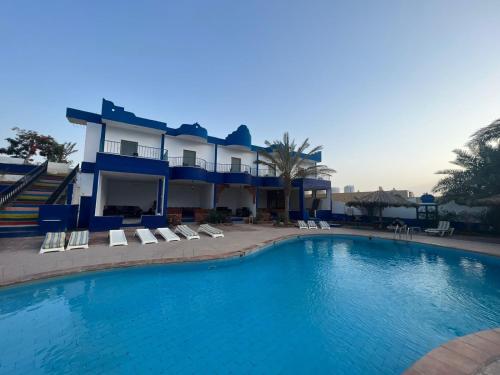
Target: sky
<point>389,88</point>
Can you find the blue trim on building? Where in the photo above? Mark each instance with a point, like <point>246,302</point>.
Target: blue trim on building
<point>87,167</point>
<point>6,168</point>
<point>162,147</point>
<point>100,223</point>
<point>103,137</point>
<point>112,112</point>
<point>80,117</point>
<point>153,221</point>
<point>57,217</point>
<point>109,111</point>
<point>159,196</point>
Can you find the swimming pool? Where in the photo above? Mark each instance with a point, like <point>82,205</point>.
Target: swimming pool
<point>326,304</point>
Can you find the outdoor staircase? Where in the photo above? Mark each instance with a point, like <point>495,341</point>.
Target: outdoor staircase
<point>20,216</point>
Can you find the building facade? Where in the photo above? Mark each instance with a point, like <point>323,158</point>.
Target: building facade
<point>149,171</point>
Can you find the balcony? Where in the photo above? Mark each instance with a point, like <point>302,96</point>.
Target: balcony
<point>132,149</point>
<point>179,161</point>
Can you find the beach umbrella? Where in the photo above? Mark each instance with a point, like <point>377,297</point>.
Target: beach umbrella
<point>380,199</point>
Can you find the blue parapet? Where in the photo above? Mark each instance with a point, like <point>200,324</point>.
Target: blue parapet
<point>427,198</point>
<point>194,130</point>
<point>87,167</point>
<point>7,168</point>
<point>115,113</point>
<point>130,164</point>
<point>57,217</point>
<point>77,116</point>
<point>154,221</point>
<point>102,223</point>
<point>240,137</point>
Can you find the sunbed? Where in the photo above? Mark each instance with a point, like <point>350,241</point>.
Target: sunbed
<point>324,225</point>
<point>145,236</point>
<point>210,230</point>
<point>78,240</point>
<point>442,229</point>
<point>187,232</point>
<point>117,238</point>
<point>312,224</point>
<point>167,234</point>
<point>54,241</point>
<point>302,224</point>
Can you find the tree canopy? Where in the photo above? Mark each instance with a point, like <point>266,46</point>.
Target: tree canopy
<point>27,143</point>
<point>478,175</point>
<point>290,160</point>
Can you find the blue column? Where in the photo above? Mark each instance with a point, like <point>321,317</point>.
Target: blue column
<point>165,196</point>
<point>103,137</point>
<point>301,203</point>
<point>162,156</point>
<point>69,193</point>
<point>159,197</point>
<point>215,185</point>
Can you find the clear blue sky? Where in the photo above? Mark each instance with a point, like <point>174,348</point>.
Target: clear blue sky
<point>388,87</point>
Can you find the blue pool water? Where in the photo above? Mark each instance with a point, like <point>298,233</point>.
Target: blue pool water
<point>343,305</point>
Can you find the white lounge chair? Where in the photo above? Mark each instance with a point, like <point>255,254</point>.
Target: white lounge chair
<point>312,224</point>
<point>211,231</point>
<point>167,234</point>
<point>324,225</point>
<point>442,229</point>
<point>302,224</point>
<point>187,232</point>
<point>54,241</point>
<point>117,238</point>
<point>78,240</point>
<point>145,236</point>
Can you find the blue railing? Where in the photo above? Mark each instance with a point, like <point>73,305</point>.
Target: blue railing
<point>62,186</point>
<point>113,147</point>
<point>11,192</point>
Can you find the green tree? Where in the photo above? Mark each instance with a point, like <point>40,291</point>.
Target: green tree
<point>286,157</point>
<point>27,143</point>
<point>478,175</point>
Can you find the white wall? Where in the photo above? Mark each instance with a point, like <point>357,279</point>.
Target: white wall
<point>185,195</point>
<point>176,146</point>
<point>9,160</point>
<point>224,155</point>
<point>134,134</point>
<point>58,168</point>
<point>84,181</point>
<point>236,197</point>
<point>92,141</point>
<point>131,193</point>
<point>101,195</point>
<point>10,177</point>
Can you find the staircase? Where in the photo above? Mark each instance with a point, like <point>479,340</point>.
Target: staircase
<point>20,216</point>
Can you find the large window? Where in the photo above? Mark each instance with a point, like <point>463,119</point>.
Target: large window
<point>128,148</point>
<point>189,158</point>
<point>235,165</point>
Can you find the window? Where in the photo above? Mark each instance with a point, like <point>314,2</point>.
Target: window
<point>235,165</point>
<point>189,158</point>
<point>128,148</point>
<point>308,194</point>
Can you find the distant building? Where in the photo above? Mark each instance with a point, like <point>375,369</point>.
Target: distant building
<point>348,189</point>
<point>335,189</point>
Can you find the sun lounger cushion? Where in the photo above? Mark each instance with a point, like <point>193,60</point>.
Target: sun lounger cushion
<point>145,236</point>
<point>54,241</point>
<point>117,238</point>
<point>302,224</point>
<point>312,224</point>
<point>324,225</point>
<point>187,232</point>
<point>210,230</point>
<point>78,240</point>
<point>167,234</point>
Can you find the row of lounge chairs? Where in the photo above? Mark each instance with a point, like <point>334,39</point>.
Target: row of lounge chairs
<point>442,229</point>
<point>55,241</point>
<point>311,224</point>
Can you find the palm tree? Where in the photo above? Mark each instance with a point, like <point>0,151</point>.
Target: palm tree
<point>289,159</point>
<point>490,133</point>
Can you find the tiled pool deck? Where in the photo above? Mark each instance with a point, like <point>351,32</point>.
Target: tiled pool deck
<point>20,262</point>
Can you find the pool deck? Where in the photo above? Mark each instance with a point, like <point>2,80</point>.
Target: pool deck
<point>20,262</point>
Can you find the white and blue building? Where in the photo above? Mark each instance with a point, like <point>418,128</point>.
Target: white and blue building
<point>139,162</point>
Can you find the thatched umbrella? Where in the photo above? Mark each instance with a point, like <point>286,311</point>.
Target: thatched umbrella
<point>494,200</point>
<point>380,199</point>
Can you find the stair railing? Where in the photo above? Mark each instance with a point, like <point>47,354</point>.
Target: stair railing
<point>14,189</point>
<point>53,197</point>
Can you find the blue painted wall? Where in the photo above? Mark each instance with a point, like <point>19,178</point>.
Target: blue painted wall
<point>57,217</point>
<point>6,168</point>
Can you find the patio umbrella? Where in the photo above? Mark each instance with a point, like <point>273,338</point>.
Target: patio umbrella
<point>380,199</point>
<point>494,200</point>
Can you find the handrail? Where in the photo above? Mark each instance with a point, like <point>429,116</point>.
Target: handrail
<point>180,161</point>
<point>20,184</point>
<point>234,168</point>
<point>114,147</point>
<point>53,197</point>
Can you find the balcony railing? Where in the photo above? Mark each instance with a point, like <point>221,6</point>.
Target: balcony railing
<point>266,172</point>
<point>113,147</point>
<point>179,161</point>
<point>234,168</point>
